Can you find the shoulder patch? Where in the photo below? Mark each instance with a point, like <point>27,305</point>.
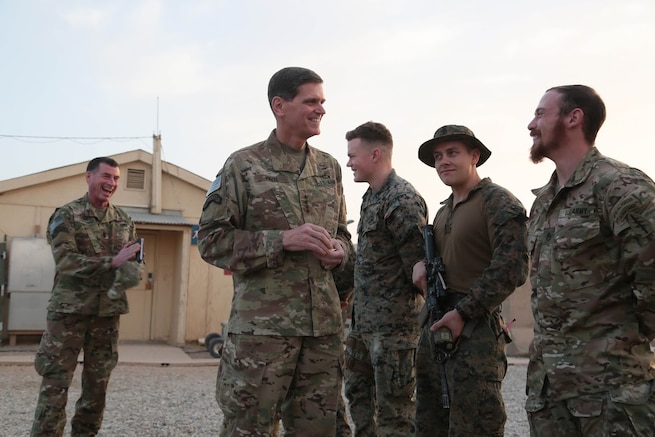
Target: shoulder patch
<point>54,224</point>
<point>215,185</point>
<point>625,207</point>
<point>212,198</point>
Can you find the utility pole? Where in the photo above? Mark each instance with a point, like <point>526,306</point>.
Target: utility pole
<point>155,194</point>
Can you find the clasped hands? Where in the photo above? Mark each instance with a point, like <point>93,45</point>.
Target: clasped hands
<point>317,240</point>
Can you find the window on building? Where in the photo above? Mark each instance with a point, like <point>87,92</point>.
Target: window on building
<point>136,179</point>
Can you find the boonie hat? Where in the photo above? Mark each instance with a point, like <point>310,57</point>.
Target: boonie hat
<point>452,132</point>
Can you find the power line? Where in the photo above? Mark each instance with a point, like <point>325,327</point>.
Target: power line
<point>73,138</point>
<point>38,139</point>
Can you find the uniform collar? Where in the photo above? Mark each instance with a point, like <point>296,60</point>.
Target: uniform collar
<point>483,183</point>
<point>281,160</point>
<point>101,214</point>
<point>581,174</point>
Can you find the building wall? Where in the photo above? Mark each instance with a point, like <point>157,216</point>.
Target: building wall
<point>25,212</point>
<point>517,307</point>
<point>187,290</point>
<point>206,312</point>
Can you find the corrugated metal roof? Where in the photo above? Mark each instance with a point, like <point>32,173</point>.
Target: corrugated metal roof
<point>167,217</point>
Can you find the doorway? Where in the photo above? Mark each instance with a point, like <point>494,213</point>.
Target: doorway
<point>137,324</point>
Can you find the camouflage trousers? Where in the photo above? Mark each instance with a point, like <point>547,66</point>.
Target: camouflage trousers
<point>474,373</point>
<point>628,411</point>
<point>343,428</point>
<point>56,360</point>
<point>264,378</point>
<point>380,380</point>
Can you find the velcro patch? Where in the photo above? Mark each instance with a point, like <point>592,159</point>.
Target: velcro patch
<point>215,185</point>
<point>54,224</point>
<point>212,198</point>
<point>624,207</point>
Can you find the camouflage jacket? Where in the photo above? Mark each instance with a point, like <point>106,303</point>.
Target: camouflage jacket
<point>260,192</point>
<point>83,243</point>
<point>389,243</point>
<point>483,243</point>
<point>592,280</point>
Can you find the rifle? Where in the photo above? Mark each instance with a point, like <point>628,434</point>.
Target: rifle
<point>436,303</point>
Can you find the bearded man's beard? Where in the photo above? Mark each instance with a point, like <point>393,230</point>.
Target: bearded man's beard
<point>540,149</point>
<point>537,153</point>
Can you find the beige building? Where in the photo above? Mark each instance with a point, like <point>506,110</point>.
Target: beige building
<point>180,299</point>
<point>517,311</point>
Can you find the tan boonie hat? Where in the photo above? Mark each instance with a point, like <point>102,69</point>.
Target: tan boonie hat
<point>452,132</point>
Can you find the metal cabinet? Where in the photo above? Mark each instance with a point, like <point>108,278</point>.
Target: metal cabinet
<point>31,275</point>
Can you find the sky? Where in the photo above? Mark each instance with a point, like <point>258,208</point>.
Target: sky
<point>81,79</point>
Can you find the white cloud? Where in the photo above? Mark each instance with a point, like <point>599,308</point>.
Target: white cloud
<point>177,71</point>
<point>87,18</point>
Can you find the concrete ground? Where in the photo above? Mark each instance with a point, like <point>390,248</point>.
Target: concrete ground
<point>163,390</point>
<point>134,353</point>
<point>142,353</point>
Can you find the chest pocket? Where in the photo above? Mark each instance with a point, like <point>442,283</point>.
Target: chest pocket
<point>324,200</point>
<point>92,240</point>
<point>103,238</point>
<point>367,227</point>
<point>368,230</point>
<point>580,254</point>
<point>368,222</point>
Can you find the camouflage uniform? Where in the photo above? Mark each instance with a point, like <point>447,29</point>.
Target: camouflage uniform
<point>344,280</point>
<point>380,374</point>
<point>84,240</point>
<point>126,276</point>
<point>483,245</point>
<point>591,368</point>
<point>343,427</point>
<point>285,327</point>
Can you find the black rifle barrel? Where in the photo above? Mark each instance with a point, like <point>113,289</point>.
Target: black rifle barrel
<point>440,341</point>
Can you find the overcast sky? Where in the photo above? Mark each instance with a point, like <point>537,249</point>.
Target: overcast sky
<point>196,72</point>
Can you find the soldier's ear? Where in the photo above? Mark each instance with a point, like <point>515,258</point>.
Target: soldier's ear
<point>277,105</point>
<point>475,156</point>
<point>575,117</point>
